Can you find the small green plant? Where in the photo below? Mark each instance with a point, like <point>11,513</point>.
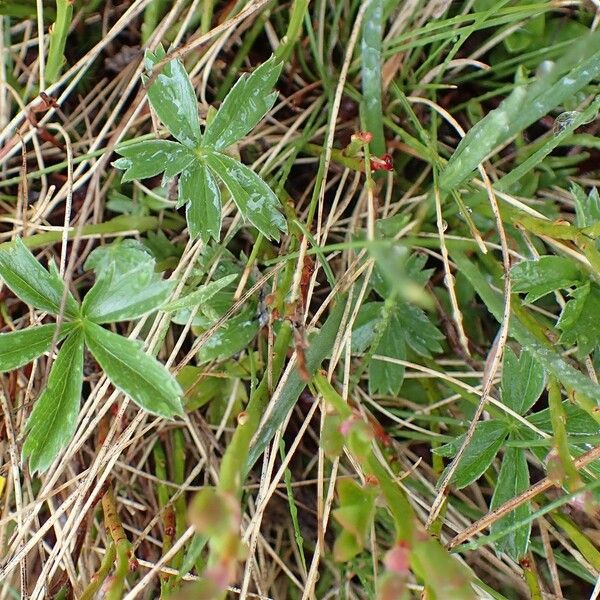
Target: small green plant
<point>412,548</point>
<point>391,327</point>
<point>239,330</point>
<point>198,157</point>
<point>523,381</point>
<point>126,288</point>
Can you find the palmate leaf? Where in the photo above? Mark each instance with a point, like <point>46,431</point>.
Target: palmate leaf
<point>408,326</point>
<point>200,192</point>
<point>147,159</point>
<point>552,361</point>
<point>196,159</point>
<point>253,197</point>
<point>247,103</point>
<point>126,287</point>
<point>26,277</point>
<point>54,416</point>
<point>143,378</point>
<point>173,98</point>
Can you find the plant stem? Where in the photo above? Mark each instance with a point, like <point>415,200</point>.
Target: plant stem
<point>58,39</point>
<point>122,545</point>
<point>101,574</point>
<point>168,516</point>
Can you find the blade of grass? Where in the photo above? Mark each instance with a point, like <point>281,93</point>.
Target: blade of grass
<point>372,31</point>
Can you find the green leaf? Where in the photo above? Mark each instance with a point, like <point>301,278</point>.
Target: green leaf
<point>513,479</point>
<point>250,99</point>
<point>386,377</point>
<point>346,547</point>
<point>531,32</point>
<point>370,49</point>
<point>253,197</point>
<point>201,295</point>
<point>199,388</point>
<point>26,277</point>
<point>229,339</point>
<point>126,285</point>
<point>479,454</point>
<point>418,330</point>
<point>54,417</point>
<point>200,192</point>
<point>355,515</point>
<point>523,380</point>
<point>445,578</point>
<point>20,347</point>
<point>173,99</point>
<point>124,297</point>
<point>587,208</point>
<point>579,320</point>
<point>408,325</point>
<point>579,422</point>
<point>524,106</point>
<point>542,276</point>
<point>572,310</point>
<point>390,274</point>
<point>124,255</point>
<point>149,383</point>
<point>147,159</point>
<point>552,361</point>
<point>365,326</point>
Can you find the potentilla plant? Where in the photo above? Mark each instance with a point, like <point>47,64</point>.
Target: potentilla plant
<point>199,157</point>
<point>126,288</point>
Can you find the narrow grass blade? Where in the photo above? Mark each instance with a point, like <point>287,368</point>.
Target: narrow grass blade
<point>523,107</point>
<point>58,39</point>
<point>372,31</point>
